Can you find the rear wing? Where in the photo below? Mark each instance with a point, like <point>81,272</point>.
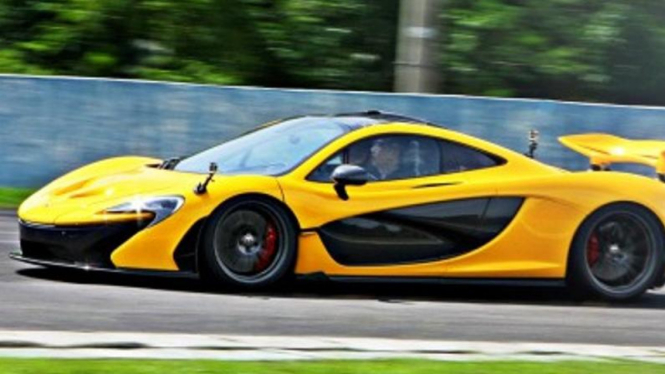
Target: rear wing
<point>604,150</point>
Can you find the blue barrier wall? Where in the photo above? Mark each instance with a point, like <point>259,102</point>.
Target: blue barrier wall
<point>52,125</point>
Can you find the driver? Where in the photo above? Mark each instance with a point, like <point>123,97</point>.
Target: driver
<point>359,154</point>
<point>386,156</point>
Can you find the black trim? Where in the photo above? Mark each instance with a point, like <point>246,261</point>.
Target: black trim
<point>660,280</point>
<point>89,245</point>
<point>185,254</point>
<point>520,282</point>
<point>532,282</point>
<point>417,234</point>
<point>318,276</point>
<point>142,272</point>
<point>441,184</point>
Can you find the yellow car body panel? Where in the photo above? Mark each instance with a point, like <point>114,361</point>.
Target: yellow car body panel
<point>153,248</point>
<point>83,186</point>
<point>81,197</point>
<point>530,247</point>
<point>534,245</point>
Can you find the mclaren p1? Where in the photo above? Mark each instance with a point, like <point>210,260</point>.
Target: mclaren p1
<point>361,196</point>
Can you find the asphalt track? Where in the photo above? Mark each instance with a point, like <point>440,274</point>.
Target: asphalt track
<point>33,298</point>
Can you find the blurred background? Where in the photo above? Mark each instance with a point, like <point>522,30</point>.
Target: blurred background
<point>592,51</point>
<point>581,50</point>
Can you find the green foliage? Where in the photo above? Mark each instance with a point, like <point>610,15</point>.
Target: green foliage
<point>313,43</point>
<point>591,50</point>
<point>62,366</point>
<point>12,197</point>
<point>595,50</point>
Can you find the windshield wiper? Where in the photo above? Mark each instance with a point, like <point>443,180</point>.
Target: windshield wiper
<point>170,163</point>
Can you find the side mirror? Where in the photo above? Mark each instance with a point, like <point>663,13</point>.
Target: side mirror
<point>348,175</point>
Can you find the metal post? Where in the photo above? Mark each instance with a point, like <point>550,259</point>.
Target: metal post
<point>417,41</point>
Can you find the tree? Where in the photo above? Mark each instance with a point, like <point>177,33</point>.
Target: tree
<point>596,50</point>
<point>589,50</point>
<point>313,43</point>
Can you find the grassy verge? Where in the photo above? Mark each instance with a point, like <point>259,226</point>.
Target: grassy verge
<point>62,366</point>
<point>12,197</point>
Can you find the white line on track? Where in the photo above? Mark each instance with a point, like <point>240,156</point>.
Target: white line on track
<point>235,347</point>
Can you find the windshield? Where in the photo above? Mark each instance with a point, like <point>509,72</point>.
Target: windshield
<point>270,150</point>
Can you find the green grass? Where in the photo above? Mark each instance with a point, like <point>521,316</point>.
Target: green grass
<point>62,366</point>
<point>12,197</point>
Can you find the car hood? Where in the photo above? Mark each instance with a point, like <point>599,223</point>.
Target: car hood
<point>92,188</point>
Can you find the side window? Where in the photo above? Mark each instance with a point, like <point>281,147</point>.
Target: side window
<point>457,157</point>
<point>323,172</point>
<point>389,157</point>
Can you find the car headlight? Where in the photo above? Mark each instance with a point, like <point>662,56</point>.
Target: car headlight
<point>161,207</point>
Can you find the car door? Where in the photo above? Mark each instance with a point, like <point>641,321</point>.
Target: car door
<point>437,205</point>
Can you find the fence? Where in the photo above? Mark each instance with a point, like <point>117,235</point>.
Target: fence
<point>52,125</point>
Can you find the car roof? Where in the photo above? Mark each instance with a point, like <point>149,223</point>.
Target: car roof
<point>380,117</point>
<point>357,120</point>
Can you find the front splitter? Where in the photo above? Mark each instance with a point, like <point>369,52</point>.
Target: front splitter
<point>87,268</point>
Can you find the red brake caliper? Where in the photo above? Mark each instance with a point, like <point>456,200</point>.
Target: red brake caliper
<point>268,249</point>
<point>592,250</point>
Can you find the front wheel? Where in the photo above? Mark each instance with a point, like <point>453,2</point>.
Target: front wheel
<point>617,253</point>
<point>249,244</point>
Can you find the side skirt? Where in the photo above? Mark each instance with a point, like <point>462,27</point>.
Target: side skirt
<point>509,282</point>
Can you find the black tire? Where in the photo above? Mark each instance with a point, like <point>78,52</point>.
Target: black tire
<point>236,250</point>
<point>617,253</point>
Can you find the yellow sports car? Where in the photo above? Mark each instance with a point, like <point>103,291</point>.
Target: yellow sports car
<point>361,196</point>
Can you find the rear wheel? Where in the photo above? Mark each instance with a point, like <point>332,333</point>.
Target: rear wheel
<point>617,253</point>
<point>249,244</point>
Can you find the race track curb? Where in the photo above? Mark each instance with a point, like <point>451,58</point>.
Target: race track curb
<point>53,344</point>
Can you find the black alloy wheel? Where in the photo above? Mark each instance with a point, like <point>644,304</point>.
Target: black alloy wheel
<point>250,244</point>
<point>617,253</point>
